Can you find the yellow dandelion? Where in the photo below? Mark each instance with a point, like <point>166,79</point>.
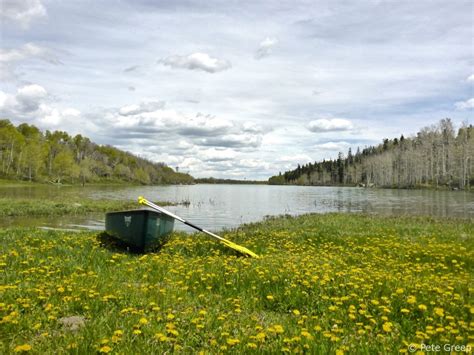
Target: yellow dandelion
<point>24,347</point>
<point>161,337</point>
<point>422,307</point>
<point>439,312</point>
<point>296,312</point>
<point>270,297</point>
<point>143,321</point>
<point>105,349</point>
<point>278,328</point>
<point>387,327</point>
<point>232,341</point>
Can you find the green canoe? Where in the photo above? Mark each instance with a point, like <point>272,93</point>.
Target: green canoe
<point>141,229</point>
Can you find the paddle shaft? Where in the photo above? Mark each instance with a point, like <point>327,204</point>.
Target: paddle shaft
<point>162,210</point>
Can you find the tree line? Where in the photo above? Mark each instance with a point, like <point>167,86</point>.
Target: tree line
<point>437,156</point>
<point>212,180</point>
<point>27,153</point>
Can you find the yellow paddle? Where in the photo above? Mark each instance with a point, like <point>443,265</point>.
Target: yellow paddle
<point>143,201</point>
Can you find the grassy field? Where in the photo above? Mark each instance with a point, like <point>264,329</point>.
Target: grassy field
<point>50,207</point>
<point>324,284</point>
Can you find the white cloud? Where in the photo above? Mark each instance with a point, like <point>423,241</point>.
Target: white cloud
<point>54,117</point>
<point>191,163</point>
<point>330,125</point>
<point>27,100</point>
<point>28,50</point>
<point>296,158</point>
<point>465,105</point>
<point>252,127</point>
<point>131,68</point>
<point>31,104</point>
<point>3,99</point>
<point>22,12</point>
<point>405,77</point>
<point>10,58</point>
<point>238,140</point>
<point>265,47</point>
<point>253,164</point>
<point>470,78</point>
<point>29,97</point>
<point>217,155</point>
<point>144,106</point>
<point>217,138</point>
<point>197,61</point>
<point>334,146</point>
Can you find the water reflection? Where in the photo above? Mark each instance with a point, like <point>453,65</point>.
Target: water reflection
<point>226,206</point>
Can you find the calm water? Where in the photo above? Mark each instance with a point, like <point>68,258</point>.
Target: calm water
<point>225,206</point>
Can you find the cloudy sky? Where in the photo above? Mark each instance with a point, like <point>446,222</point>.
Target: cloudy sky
<point>238,89</point>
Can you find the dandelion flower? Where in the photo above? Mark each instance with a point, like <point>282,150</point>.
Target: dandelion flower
<point>439,312</point>
<point>387,327</point>
<point>278,328</point>
<point>105,349</point>
<point>24,347</point>
<point>232,341</point>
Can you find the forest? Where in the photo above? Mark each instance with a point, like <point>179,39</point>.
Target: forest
<point>437,156</point>
<point>27,153</point>
<point>212,180</point>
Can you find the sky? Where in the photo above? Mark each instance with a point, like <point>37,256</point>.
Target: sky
<point>236,89</point>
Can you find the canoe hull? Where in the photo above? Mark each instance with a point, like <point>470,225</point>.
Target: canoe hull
<point>142,229</point>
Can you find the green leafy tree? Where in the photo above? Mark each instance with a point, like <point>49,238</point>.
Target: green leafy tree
<point>142,176</point>
<point>63,165</point>
<point>85,170</point>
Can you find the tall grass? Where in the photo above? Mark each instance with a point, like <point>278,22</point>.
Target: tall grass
<point>324,284</point>
<point>58,207</point>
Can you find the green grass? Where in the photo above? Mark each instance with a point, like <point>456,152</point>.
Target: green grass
<point>48,207</point>
<point>324,284</point>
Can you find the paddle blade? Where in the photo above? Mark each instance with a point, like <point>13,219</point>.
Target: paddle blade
<point>240,249</point>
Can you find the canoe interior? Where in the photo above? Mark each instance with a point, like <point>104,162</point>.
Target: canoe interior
<point>141,229</point>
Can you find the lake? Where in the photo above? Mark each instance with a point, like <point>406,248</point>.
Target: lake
<point>216,207</point>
